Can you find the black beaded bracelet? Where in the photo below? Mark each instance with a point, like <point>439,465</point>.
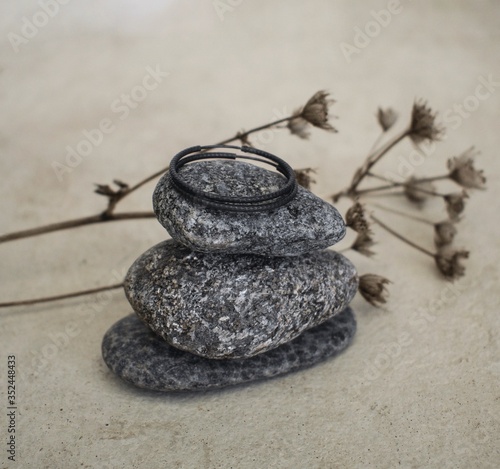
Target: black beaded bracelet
<point>256,203</point>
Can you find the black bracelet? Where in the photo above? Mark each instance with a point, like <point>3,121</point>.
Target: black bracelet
<point>256,203</point>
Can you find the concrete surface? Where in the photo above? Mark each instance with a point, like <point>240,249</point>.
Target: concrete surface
<point>419,386</point>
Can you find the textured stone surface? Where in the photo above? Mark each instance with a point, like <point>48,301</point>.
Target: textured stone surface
<point>230,306</point>
<point>138,356</point>
<point>306,224</point>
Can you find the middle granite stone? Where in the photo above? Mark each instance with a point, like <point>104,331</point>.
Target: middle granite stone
<point>236,306</point>
<point>306,224</point>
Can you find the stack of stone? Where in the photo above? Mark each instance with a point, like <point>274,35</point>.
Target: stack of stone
<point>233,297</point>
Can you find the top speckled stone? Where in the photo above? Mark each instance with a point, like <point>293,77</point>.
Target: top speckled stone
<point>306,224</point>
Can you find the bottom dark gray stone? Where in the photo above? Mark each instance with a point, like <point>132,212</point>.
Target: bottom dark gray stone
<point>134,353</point>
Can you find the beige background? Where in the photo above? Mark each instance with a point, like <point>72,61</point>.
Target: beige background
<point>419,386</point>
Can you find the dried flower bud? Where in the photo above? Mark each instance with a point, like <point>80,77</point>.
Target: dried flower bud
<point>455,204</point>
<point>444,232</point>
<point>463,172</point>
<point>122,185</point>
<point>363,243</point>
<point>298,126</point>
<point>423,125</point>
<point>448,262</point>
<point>356,219</point>
<point>243,138</point>
<point>417,192</point>
<point>102,189</point>
<point>386,118</point>
<point>373,289</point>
<point>316,111</point>
<point>304,178</point>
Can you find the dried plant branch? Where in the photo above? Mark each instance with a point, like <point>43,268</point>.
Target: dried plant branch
<point>60,297</point>
<point>461,171</point>
<point>401,237</point>
<point>401,213</point>
<point>363,171</point>
<point>416,180</point>
<point>444,231</point>
<point>77,222</point>
<point>315,113</point>
<point>422,127</point>
<point>374,158</point>
<point>413,182</point>
<point>243,135</point>
<point>115,197</point>
<point>386,119</point>
<point>384,188</point>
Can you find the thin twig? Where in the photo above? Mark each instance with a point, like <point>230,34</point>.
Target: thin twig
<point>238,136</point>
<point>371,160</point>
<point>60,297</point>
<point>385,194</point>
<point>377,141</point>
<point>243,135</point>
<point>401,237</point>
<point>415,181</point>
<point>398,184</point>
<point>403,214</point>
<point>77,222</point>
<point>392,185</point>
<point>375,157</point>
